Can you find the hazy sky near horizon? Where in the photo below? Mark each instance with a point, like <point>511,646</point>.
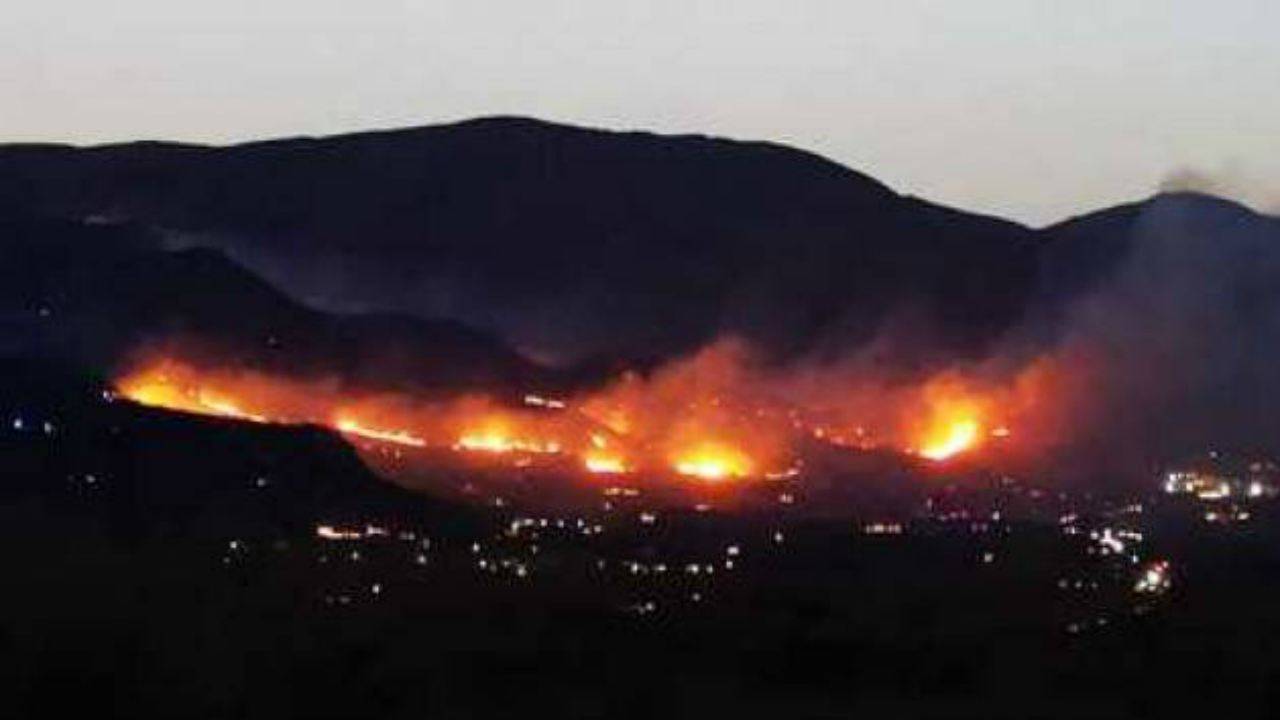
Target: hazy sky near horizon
<point>1031,109</point>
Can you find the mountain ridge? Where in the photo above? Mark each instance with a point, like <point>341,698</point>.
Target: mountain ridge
<point>579,243</point>
<point>515,226</point>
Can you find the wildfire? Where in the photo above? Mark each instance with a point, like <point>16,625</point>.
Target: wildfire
<point>604,464</point>
<point>170,386</point>
<point>496,436</point>
<point>710,417</point>
<point>227,408</point>
<point>497,443</point>
<point>398,437</point>
<point>954,439</point>
<point>955,414</point>
<point>713,462</point>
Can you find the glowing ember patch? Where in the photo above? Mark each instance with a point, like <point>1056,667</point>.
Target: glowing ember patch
<point>228,408</point>
<point>713,462</point>
<point>953,440</point>
<point>714,416</point>
<point>605,464</point>
<point>484,443</point>
<point>154,393</point>
<point>157,388</point>
<point>708,469</point>
<point>398,437</point>
<point>495,443</point>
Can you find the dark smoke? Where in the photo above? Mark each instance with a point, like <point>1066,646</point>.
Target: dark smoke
<point>1177,351</point>
<point>1233,180</point>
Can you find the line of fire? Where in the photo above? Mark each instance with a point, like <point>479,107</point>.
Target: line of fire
<point>703,420</point>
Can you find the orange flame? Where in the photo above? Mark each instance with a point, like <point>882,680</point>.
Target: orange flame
<point>174,386</point>
<point>712,416</point>
<point>954,439</point>
<point>713,461</point>
<point>603,464</point>
<point>496,433</point>
<point>952,419</point>
<point>398,437</point>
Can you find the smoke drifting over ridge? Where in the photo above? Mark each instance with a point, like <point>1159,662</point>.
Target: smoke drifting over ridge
<point>1109,343</point>
<point>1173,350</point>
<point>1241,182</point>
<point>1167,349</point>
<point>1178,349</point>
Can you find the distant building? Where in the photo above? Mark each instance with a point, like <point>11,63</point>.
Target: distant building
<point>1221,478</point>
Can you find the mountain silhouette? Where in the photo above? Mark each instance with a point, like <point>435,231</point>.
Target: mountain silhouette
<point>568,242</point>
<point>94,295</point>
<point>450,255</point>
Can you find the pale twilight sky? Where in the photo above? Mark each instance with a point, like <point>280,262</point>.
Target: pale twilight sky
<point>1032,109</point>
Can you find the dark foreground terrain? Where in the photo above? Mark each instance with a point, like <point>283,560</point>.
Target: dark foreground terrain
<point>158,565</point>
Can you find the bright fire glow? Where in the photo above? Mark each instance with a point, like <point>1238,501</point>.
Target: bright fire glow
<point>168,387</point>
<point>227,408</point>
<point>711,461</point>
<point>398,437</point>
<point>600,459</point>
<point>712,416</point>
<point>605,464</point>
<point>498,442</point>
<point>954,413</point>
<point>953,439</point>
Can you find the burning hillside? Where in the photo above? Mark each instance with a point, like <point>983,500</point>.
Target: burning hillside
<point>618,431</point>
<point>1157,347</point>
<point>711,418</point>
